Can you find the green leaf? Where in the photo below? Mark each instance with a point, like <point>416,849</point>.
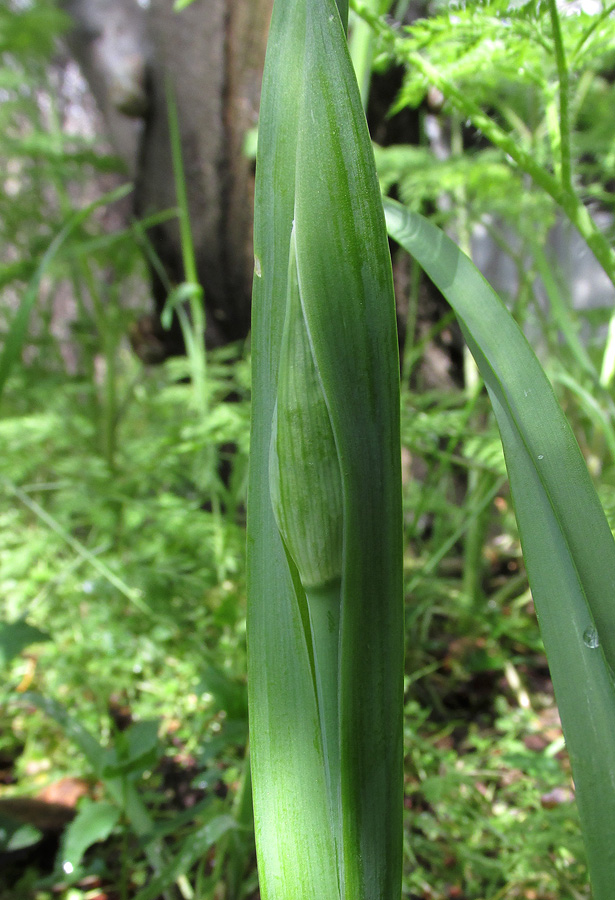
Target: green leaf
<point>193,849</point>
<point>315,167</point>
<point>229,695</point>
<point>568,547</point>
<point>345,277</point>
<point>16,636</point>
<point>16,836</point>
<point>304,470</point>
<point>93,823</point>
<point>123,793</point>
<point>136,749</point>
<point>18,329</point>
<point>293,834</point>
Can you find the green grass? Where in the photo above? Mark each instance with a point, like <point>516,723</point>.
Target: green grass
<point>460,700</point>
<point>120,541</point>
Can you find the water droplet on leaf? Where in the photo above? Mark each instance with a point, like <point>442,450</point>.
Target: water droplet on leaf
<point>590,637</point>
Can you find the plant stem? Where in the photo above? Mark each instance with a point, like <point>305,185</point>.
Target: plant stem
<point>608,360</point>
<point>563,86</point>
<point>324,613</point>
<point>361,43</point>
<point>195,346</point>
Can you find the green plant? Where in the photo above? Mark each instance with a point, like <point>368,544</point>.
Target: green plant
<point>568,546</point>
<point>110,536</point>
<point>303,496</point>
<point>116,527</point>
<point>325,612</point>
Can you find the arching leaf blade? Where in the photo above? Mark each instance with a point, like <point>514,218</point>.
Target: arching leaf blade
<point>567,544</point>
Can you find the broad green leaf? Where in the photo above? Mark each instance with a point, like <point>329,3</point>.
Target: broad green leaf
<point>123,793</point>
<point>294,840</point>
<point>567,544</point>
<point>346,288</point>
<point>315,167</point>
<point>93,823</point>
<point>16,636</point>
<point>136,749</point>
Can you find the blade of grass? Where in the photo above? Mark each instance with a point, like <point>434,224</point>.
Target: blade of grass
<point>18,330</point>
<point>134,595</point>
<point>193,848</point>
<point>195,338</point>
<point>567,544</point>
<point>592,408</point>
<point>561,313</point>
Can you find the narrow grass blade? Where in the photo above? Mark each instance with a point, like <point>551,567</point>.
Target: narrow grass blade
<point>134,595</point>
<point>192,849</point>
<point>18,329</point>
<point>567,544</point>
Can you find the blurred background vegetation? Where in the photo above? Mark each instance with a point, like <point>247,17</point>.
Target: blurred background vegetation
<point>123,719</point>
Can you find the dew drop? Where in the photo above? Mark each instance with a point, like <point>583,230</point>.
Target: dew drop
<point>541,456</point>
<point>590,637</point>
<point>257,267</point>
<point>67,867</point>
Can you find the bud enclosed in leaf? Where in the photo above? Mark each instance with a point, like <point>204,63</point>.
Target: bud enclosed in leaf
<point>304,471</point>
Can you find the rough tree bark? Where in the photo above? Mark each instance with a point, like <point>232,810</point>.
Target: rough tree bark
<point>212,52</point>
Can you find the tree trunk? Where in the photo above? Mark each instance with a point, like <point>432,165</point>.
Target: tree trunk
<point>212,53</point>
